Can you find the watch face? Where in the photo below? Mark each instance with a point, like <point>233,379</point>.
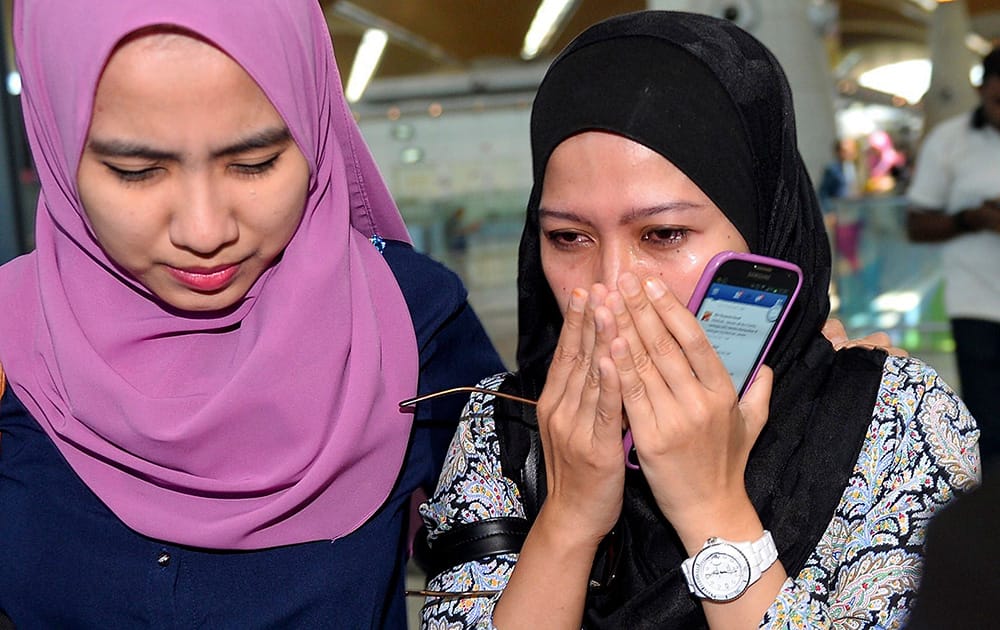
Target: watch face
<point>721,572</point>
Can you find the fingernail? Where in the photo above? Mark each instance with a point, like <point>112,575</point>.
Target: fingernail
<point>629,285</point>
<point>654,288</point>
<point>577,299</point>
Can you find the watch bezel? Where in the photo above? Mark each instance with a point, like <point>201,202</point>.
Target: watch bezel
<point>713,592</point>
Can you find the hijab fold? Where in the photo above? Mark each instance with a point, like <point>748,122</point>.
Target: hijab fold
<point>273,422</point>
<point>713,100</point>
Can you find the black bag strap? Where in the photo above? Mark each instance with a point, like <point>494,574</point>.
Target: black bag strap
<point>521,458</point>
<point>521,462</point>
<point>468,542</point>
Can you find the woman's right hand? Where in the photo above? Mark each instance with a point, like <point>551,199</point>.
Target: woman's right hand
<point>580,423</point>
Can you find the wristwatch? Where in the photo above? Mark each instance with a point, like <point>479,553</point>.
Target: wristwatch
<point>723,570</point>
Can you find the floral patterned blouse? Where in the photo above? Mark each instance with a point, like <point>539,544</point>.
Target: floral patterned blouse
<point>920,449</point>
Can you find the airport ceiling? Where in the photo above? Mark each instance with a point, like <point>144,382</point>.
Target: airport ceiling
<point>440,37</point>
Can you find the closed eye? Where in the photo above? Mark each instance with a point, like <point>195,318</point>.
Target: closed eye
<point>132,175</point>
<point>255,168</point>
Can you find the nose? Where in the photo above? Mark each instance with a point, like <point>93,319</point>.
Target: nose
<point>616,259</point>
<point>203,220</point>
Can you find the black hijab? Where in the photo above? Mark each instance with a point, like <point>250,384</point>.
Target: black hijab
<point>713,100</point>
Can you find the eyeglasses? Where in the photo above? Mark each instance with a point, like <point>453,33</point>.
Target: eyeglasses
<point>409,402</point>
<point>631,457</point>
<point>446,596</point>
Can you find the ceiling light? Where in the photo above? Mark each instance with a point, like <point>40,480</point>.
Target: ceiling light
<point>548,20</point>
<point>365,62</point>
<point>909,79</point>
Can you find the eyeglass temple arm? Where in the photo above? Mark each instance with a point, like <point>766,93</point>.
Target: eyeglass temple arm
<point>409,402</point>
<point>449,595</point>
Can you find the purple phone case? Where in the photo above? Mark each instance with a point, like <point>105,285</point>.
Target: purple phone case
<point>699,294</point>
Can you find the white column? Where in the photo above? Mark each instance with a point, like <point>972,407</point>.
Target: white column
<point>950,92</point>
<point>784,26</point>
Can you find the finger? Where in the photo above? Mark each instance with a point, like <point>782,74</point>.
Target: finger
<point>874,341</point>
<point>834,331</point>
<point>564,360</point>
<point>882,341</point>
<point>655,351</point>
<point>579,383</point>
<point>625,325</point>
<point>623,319</point>
<point>708,369</point>
<point>756,402</point>
<point>567,348</point>
<point>636,395</point>
<point>604,333</point>
<point>608,424</point>
<point>677,343</point>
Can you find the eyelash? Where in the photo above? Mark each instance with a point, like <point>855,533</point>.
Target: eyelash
<point>246,170</point>
<point>675,235</point>
<point>130,176</point>
<point>558,239</point>
<point>256,169</point>
<point>668,237</point>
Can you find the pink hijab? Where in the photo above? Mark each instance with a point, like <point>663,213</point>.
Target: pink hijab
<point>272,424</point>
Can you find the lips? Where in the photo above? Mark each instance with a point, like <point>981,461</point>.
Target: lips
<point>205,279</point>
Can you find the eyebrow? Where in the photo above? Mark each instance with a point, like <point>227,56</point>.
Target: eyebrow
<point>631,216</point>
<point>127,149</point>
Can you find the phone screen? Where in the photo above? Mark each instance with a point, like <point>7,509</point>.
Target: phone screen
<point>741,308</point>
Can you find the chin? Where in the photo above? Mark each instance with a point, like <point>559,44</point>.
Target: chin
<point>193,302</point>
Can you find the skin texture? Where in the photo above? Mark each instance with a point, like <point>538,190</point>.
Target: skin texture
<point>188,167</point>
<point>626,236</point>
<point>989,96</point>
<point>611,206</point>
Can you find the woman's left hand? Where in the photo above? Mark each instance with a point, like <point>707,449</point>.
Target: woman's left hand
<point>692,434</point>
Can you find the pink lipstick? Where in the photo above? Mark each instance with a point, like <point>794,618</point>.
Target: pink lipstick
<point>205,280</point>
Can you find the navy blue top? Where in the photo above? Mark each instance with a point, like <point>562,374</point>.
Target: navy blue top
<point>66,561</point>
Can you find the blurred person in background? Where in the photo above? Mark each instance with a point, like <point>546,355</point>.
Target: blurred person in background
<point>840,176</point>
<point>954,199</point>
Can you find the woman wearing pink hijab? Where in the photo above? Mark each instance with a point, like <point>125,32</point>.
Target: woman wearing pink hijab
<point>206,351</point>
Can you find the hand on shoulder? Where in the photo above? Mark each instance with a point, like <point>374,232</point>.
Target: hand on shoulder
<point>836,334</point>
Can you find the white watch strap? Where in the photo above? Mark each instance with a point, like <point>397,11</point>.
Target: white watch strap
<point>764,552</point>
<point>760,554</point>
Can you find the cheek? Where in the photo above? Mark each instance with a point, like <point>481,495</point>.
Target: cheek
<point>276,212</point>
<point>557,278</point>
<point>124,234</point>
<point>682,279</point>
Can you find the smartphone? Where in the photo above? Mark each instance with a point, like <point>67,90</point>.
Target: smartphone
<point>740,301</point>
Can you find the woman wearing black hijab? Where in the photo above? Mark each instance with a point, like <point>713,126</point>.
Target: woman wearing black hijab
<point>660,139</point>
